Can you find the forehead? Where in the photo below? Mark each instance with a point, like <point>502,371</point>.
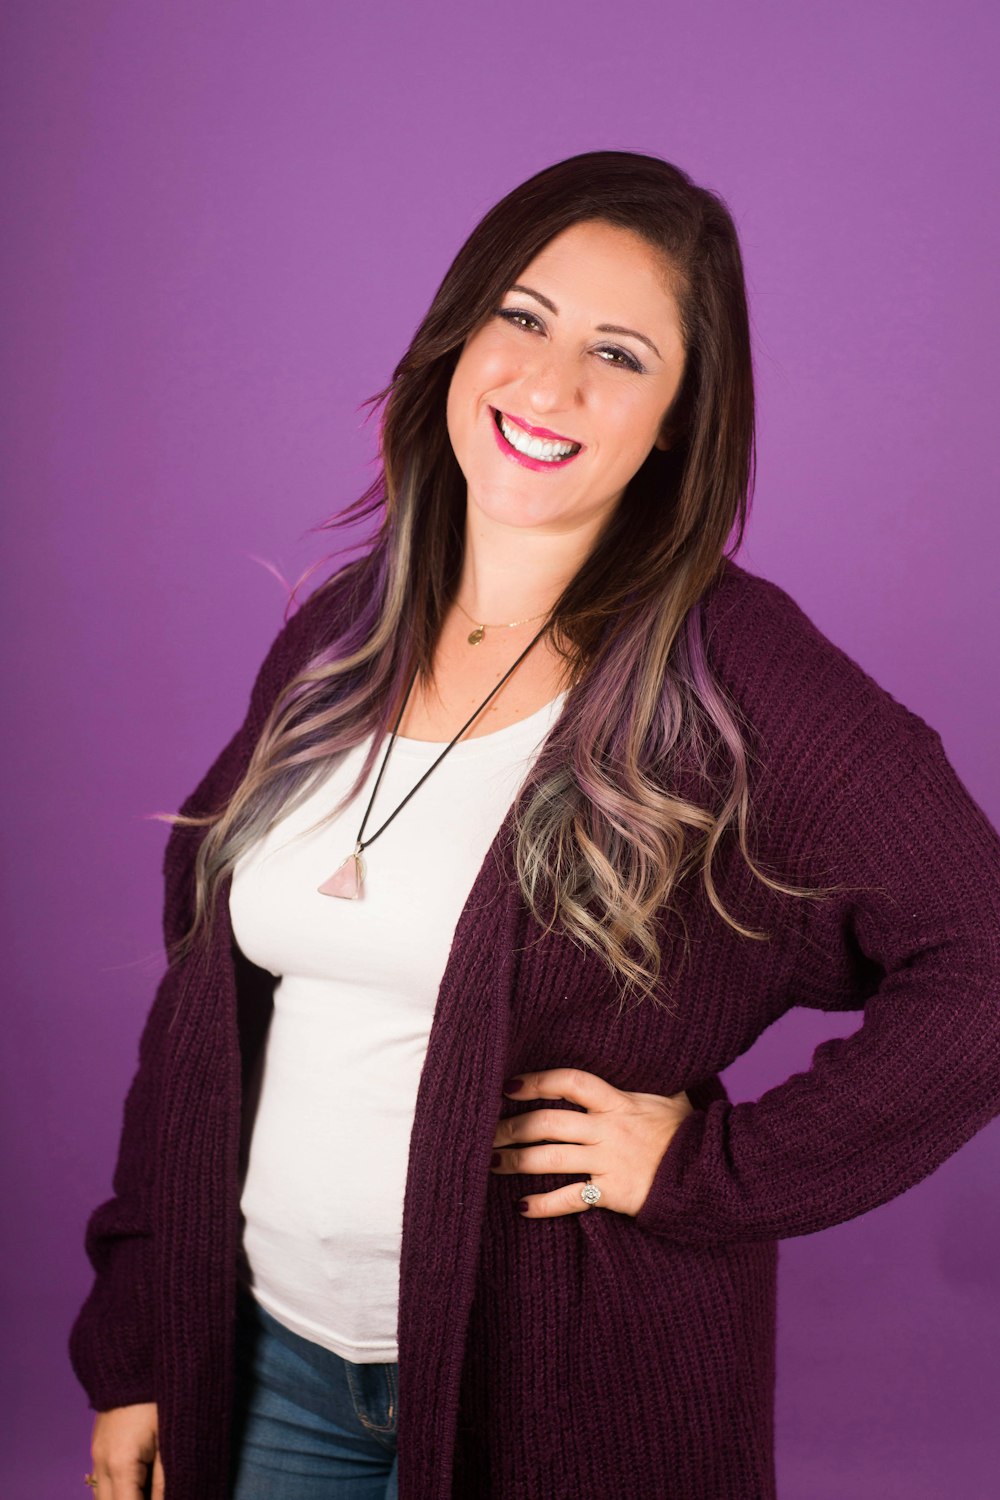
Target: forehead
<point>595,260</point>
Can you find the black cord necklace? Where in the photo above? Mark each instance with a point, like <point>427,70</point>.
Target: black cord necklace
<point>348,879</point>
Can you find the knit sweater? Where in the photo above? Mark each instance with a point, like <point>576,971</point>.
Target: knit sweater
<point>593,1355</point>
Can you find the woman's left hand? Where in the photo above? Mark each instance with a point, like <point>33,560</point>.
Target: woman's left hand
<point>619,1142</point>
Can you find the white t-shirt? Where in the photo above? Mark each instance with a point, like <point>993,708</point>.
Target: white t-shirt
<point>357,985</point>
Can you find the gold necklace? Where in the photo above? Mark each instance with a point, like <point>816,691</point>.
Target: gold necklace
<point>475,636</point>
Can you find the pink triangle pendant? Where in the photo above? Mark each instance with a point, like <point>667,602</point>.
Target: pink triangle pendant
<point>347,880</point>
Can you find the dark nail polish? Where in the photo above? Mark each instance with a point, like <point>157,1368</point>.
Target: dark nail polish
<point>511,1085</point>
<point>523,1206</point>
<point>496,1159</point>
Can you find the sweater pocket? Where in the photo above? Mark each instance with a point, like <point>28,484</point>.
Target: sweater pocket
<point>677,1344</point>
<point>707,1310</point>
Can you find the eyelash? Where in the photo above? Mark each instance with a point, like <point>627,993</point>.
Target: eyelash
<point>510,313</point>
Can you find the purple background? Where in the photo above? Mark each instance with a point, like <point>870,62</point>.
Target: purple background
<point>224,223</point>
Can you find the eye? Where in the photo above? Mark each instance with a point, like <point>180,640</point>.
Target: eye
<point>631,363</point>
<point>514,314</point>
<point>511,314</point>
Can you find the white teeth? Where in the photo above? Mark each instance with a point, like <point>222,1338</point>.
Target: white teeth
<point>534,447</point>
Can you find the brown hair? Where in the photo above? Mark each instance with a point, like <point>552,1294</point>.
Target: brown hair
<point>602,840</point>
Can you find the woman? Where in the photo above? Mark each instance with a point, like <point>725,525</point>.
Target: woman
<point>543,810</point>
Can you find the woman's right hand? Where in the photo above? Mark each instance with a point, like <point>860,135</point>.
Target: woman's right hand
<point>124,1446</point>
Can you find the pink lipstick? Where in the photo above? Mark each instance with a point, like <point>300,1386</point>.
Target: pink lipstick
<point>525,459</point>
<point>538,432</point>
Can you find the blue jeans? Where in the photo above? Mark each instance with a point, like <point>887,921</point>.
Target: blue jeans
<point>307,1424</point>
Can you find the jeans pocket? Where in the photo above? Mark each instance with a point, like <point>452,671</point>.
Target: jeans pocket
<point>373,1392</point>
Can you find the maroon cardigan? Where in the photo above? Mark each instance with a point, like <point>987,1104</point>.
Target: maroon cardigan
<point>595,1354</point>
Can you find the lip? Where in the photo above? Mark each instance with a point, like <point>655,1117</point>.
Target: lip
<point>538,432</point>
<point>523,459</point>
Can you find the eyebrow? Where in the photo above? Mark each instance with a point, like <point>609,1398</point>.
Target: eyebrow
<point>601,327</point>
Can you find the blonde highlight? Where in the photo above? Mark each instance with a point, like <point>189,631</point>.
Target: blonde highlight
<point>603,838</point>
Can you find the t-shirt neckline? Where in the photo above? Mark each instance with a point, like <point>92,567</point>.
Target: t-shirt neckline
<point>481,743</point>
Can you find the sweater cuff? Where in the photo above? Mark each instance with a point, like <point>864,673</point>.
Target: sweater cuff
<point>660,1214</point>
<point>111,1341</point>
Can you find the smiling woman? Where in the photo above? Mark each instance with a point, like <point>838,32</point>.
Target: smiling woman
<point>520,368</point>
<point>435,1189</point>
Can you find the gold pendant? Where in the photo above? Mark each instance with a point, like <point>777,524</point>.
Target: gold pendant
<point>477,635</point>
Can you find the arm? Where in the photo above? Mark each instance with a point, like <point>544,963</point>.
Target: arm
<point>111,1341</point>
<point>881,1109</point>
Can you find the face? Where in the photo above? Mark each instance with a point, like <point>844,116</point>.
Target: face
<point>543,364</point>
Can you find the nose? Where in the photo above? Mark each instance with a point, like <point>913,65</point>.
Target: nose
<point>551,384</point>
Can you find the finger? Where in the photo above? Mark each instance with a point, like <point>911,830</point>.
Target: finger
<point>546,1125</point>
<point>564,1200</point>
<point>159,1484</point>
<point>127,1481</point>
<point>574,1084</point>
<point>553,1156</point>
<point>105,1486</point>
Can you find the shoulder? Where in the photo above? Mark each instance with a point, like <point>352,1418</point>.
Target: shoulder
<point>783,669</point>
<point>826,743</point>
<point>324,617</point>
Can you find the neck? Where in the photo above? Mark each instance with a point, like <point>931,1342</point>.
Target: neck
<point>514,572</point>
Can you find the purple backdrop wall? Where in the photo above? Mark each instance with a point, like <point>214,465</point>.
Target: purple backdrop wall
<point>227,222</point>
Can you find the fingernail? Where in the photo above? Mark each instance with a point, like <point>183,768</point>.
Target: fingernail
<point>495,1159</point>
<point>523,1206</point>
<point>511,1085</point>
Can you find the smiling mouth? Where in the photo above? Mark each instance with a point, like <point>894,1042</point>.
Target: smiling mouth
<point>543,450</point>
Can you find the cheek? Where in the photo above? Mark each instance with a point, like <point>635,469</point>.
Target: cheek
<point>453,402</point>
<point>471,381</point>
<point>486,363</point>
<point>633,427</point>
<point>461,397</point>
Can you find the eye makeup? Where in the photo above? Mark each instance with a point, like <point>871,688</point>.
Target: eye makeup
<point>511,314</point>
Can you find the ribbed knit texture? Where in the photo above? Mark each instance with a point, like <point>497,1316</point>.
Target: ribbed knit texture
<point>596,1355</point>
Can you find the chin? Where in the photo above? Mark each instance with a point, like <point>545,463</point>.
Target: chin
<point>506,507</point>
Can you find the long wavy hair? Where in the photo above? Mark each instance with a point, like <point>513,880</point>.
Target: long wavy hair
<point>602,839</point>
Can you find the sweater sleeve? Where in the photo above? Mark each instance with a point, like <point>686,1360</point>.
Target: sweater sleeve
<point>111,1341</point>
<point>880,1109</point>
